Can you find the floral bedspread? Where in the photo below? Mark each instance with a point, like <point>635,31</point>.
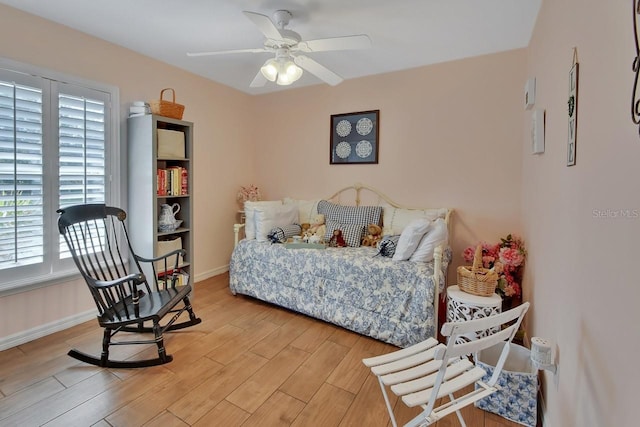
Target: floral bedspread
<point>351,287</point>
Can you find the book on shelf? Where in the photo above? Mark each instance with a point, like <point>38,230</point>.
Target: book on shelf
<point>184,182</point>
<point>173,181</point>
<point>181,279</point>
<point>162,182</point>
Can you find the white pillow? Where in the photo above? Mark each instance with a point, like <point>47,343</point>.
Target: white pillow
<point>394,220</point>
<point>410,238</point>
<point>307,209</point>
<point>250,216</point>
<point>269,217</point>
<point>436,235</point>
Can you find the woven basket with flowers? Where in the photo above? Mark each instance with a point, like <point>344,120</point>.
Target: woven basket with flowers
<point>475,279</point>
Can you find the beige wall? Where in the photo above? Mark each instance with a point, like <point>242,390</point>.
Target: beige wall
<point>584,282</point>
<point>449,137</point>
<point>221,135</point>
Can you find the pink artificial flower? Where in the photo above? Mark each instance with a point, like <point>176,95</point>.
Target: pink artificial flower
<point>487,261</point>
<point>490,250</point>
<point>469,253</point>
<point>510,274</point>
<point>516,288</point>
<point>508,269</point>
<point>509,278</point>
<point>511,256</point>
<point>509,291</point>
<point>498,267</point>
<point>248,193</point>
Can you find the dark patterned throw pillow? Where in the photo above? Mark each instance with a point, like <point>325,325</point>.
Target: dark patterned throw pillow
<point>387,246</point>
<point>281,234</point>
<point>361,215</point>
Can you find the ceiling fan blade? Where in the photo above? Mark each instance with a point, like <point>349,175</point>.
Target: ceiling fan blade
<point>264,24</point>
<point>223,52</point>
<point>259,80</point>
<point>318,70</point>
<point>361,41</point>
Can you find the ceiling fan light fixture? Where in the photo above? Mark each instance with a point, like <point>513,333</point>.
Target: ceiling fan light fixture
<point>289,73</point>
<point>283,80</point>
<point>281,70</point>
<point>270,70</point>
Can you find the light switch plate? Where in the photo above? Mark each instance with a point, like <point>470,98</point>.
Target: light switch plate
<point>537,131</point>
<point>530,93</point>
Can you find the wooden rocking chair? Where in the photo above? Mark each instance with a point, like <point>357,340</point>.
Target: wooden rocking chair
<point>97,238</point>
<point>427,371</point>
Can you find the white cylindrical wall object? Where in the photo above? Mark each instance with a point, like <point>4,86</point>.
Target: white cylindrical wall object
<point>541,351</point>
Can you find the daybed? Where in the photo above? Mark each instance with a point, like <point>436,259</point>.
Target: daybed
<point>353,287</point>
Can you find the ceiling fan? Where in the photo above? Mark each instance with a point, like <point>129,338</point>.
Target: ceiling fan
<point>287,45</point>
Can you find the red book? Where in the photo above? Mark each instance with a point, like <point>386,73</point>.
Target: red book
<point>185,182</point>
<point>162,182</point>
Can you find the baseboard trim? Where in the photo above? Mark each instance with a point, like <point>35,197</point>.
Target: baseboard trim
<point>215,272</point>
<point>61,324</point>
<point>46,329</point>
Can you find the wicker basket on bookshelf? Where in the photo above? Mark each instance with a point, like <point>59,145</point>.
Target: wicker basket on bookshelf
<point>475,279</point>
<point>167,108</point>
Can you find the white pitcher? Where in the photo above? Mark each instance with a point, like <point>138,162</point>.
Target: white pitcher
<point>167,219</point>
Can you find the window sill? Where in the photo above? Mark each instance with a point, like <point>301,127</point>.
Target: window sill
<point>38,282</point>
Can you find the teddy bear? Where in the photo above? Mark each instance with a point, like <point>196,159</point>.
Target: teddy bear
<point>374,235</point>
<point>303,228</point>
<point>317,227</point>
<point>337,241</point>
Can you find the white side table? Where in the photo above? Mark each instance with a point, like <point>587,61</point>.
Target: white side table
<point>462,306</point>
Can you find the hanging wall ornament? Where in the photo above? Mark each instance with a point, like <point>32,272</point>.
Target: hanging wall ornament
<point>635,96</point>
<point>572,107</point>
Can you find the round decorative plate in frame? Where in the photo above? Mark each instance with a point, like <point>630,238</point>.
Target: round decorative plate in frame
<point>343,149</point>
<point>343,128</point>
<point>364,126</point>
<point>364,149</point>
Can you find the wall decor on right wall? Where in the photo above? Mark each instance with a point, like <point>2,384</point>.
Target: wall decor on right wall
<point>573,110</point>
<point>635,101</point>
<point>537,131</point>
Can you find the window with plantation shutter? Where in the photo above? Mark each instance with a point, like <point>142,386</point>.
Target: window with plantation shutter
<point>58,147</point>
<point>21,175</point>
<point>81,159</point>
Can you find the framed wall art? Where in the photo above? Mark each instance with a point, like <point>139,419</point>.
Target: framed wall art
<point>572,107</point>
<point>354,138</point>
<point>635,95</point>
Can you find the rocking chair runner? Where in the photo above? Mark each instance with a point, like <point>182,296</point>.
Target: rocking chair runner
<point>427,371</point>
<point>99,243</point>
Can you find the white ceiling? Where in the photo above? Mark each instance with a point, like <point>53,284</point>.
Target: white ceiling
<point>404,33</point>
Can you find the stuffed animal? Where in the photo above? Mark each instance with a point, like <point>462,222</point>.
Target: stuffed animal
<point>374,235</point>
<point>304,227</point>
<point>315,239</point>
<point>317,228</point>
<point>337,241</point>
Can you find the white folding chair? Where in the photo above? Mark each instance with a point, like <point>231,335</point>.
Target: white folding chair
<point>427,371</point>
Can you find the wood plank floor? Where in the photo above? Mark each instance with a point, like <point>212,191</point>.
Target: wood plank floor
<point>247,364</point>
